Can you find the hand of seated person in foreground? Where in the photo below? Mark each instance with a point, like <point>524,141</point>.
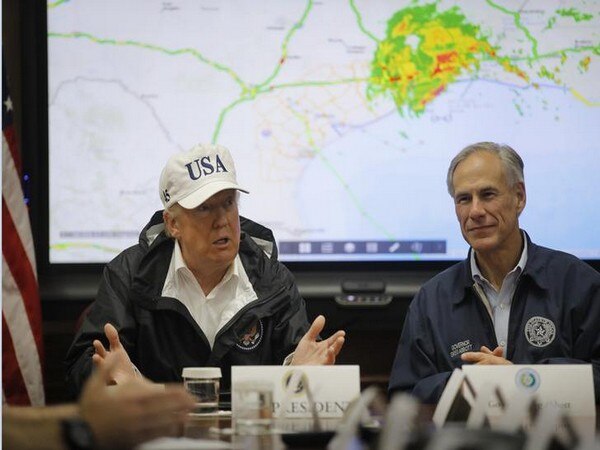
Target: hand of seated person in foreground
<point>123,367</point>
<point>136,411</point>
<point>312,352</point>
<point>486,356</point>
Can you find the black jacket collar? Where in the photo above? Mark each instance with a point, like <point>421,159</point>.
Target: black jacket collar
<point>157,248</point>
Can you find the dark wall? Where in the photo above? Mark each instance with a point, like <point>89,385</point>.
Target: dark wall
<point>12,44</point>
<point>59,325</point>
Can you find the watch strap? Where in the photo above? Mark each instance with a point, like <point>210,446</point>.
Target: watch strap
<point>77,434</point>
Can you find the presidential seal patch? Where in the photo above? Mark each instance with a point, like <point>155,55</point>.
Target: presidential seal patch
<point>539,331</point>
<point>252,337</point>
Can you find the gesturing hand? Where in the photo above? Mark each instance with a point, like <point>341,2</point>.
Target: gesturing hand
<point>312,352</point>
<point>136,411</point>
<point>486,356</point>
<point>122,367</point>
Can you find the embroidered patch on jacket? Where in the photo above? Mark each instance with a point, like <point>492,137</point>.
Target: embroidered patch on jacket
<point>252,337</point>
<point>539,331</point>
<point>460,347</point>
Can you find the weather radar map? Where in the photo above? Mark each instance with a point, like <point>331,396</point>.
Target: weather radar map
<point>342,117</point>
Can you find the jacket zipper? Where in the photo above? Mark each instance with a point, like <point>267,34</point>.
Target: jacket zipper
<point>483,298</point>
<point>512,302</point>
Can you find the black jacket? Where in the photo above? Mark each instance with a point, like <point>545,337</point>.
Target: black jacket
<point>160,335</point>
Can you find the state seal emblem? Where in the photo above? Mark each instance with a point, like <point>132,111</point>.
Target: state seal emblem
<point>539,331</point>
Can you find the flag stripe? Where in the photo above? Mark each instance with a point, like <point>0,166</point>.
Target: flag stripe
<point>22,345</point>
<point>13,195</point>
<point>11,140</point>
<point>23,336</point>
<point>21,273</point>
<point>13,386</point>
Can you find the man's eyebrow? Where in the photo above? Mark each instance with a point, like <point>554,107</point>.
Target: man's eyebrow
<point>460,193</point>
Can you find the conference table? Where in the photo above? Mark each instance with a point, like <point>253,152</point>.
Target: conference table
<point>288,433</point>
<point>220,428</point>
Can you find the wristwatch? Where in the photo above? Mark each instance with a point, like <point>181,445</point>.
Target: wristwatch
<point>77,434</point>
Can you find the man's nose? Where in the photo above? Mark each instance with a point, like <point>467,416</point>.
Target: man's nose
<point>477,209</point>
<point>220,214</point>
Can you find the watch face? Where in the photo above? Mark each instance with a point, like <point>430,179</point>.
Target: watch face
<point>81,434</point>
<point>78,434</point>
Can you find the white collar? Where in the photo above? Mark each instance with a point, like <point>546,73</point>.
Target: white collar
<point>178,268</point>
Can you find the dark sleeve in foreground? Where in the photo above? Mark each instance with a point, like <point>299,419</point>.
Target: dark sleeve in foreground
<point>414,369</point>
<point>111,306</point>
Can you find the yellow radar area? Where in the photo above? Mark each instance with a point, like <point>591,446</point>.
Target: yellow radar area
<point>424,51</point>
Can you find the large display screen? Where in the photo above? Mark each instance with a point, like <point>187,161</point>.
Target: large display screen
<point>342,117</point>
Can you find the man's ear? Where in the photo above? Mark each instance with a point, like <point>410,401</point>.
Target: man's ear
<point>521,196</point>
<point>171,224</point>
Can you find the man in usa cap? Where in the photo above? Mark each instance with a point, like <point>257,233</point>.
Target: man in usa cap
<point>203,287</point>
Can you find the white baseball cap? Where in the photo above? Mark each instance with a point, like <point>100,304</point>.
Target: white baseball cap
<point>192,177</point>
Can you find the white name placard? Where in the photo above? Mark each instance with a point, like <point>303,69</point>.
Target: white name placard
<point>329,388</point>
<point>569,387</point>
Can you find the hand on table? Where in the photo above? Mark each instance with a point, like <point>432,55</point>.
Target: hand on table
<point>136,411</point>
<point>312,352</point>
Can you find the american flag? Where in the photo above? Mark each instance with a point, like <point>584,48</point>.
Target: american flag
<point>22,345</point>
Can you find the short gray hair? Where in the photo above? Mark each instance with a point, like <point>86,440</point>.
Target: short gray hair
<point>512,162</point>
<point>171,211</point>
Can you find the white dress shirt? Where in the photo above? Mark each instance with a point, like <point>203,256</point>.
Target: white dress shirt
<point>499,302</point>
<point>214,310</point>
